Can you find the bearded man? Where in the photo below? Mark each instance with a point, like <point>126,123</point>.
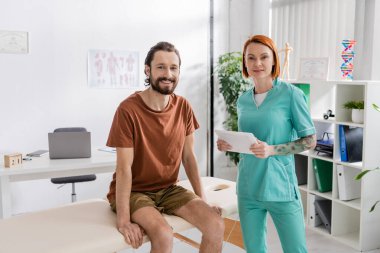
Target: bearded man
<point>152,131</point>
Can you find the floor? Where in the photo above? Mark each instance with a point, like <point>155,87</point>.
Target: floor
<point>316,242</point>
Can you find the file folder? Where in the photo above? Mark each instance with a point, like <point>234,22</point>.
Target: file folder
<point>323,174</point>
<point>351,143</point>
<point>323,207</point>
<point>342,141</point>
<point>314,219</point>
<point>301,169</point>
<point>354,143</point>
<point>348,187</point>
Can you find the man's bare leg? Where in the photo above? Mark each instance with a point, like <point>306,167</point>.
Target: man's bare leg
<point>157,229</point>
<point>202,216</point>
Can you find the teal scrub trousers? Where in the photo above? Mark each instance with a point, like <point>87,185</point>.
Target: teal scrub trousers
<point>287,216</point>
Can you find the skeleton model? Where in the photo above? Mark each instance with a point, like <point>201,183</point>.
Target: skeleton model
<point>285,68</point>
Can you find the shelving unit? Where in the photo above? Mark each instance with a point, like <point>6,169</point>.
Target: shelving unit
<point>351,221</point>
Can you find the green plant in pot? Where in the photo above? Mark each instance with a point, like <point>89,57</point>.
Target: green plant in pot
<point>232,84</point>
<point>357,108</point>
<point>364,172</point>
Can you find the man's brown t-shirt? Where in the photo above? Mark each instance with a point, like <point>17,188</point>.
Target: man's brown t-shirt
<point>157,138</point>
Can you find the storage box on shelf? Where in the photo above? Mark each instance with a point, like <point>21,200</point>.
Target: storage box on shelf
<point>301,170</point>
<point>351,221</point>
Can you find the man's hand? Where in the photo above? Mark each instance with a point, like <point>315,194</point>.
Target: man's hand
<point>133,234</point>
<point>261,149</point>
<point>217,209</point>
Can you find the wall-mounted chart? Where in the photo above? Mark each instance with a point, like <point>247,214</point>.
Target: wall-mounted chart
<point>12,42</point>
<point>113,69</point>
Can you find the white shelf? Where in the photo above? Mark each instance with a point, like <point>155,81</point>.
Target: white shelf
<point>304,153</point>
<point>303,187</point>
<point>333,121</point>
<point>321,230</point>
<point>322,120</point>
<point>355,203</point>
<point>358,165</point>
<point>350,239</point>
<point>326,195</point>
<point>351,222</point>
<point>349,123</point>
<point>313,154</point>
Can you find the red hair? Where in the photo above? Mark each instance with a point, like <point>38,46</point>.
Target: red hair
<point>266,41</point>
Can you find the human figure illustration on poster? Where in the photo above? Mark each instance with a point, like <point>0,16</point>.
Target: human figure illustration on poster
<point>99,67</point>
<point>113,69</point>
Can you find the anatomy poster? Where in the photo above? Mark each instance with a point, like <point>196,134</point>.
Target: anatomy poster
<point>113,69</point>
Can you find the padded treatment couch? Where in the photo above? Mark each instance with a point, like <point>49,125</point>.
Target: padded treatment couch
<point>90,226</point>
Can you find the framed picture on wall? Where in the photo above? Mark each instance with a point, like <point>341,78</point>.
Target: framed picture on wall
<point>313,68</point>
<point>14,42</point>
<point>113,69</point>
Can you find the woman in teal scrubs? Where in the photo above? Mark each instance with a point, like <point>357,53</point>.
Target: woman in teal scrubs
<point>277,114</point>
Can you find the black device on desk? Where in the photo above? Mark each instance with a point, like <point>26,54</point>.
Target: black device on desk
<point>71,142</point>
<point>38,153</point>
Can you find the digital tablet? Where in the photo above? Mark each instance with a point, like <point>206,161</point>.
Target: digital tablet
<point>38,153</point>
<point>240,141</point>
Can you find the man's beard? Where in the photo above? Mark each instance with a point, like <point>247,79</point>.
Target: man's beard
<point>155,84</point>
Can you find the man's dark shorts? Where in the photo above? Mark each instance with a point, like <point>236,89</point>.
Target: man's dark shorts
<point>165,200</point>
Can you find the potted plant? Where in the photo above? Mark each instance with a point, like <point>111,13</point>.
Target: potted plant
<point>364,172</point>
<point>232,84</point>
<point>357,108</point>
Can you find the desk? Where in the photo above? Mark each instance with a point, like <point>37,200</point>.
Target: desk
<point>43,167</point>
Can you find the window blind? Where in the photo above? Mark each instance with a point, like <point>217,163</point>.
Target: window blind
<point>313,28</point>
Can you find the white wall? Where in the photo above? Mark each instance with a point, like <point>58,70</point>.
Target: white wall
<point>235,22</point>
<point>367,33</point>
<point>47,88</point>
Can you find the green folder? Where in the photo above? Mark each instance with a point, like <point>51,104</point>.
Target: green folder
<point>323,171</point>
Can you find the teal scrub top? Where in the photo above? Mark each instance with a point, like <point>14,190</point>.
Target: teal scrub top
<point>282,117</point>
